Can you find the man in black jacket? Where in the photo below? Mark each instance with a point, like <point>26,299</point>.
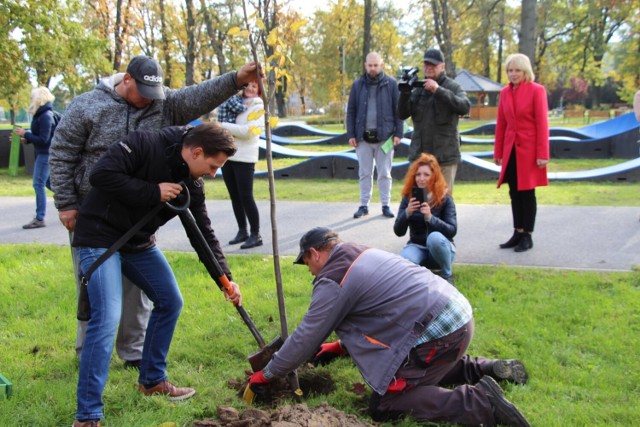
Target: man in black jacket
<point>435,109</point>
<point>130,179</point>
<point>95,120</point>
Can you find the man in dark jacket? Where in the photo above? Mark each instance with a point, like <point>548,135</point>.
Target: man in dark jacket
<point>406,330</point>
<point>120,104</point>
<point>435,109</point>
<point>133,177</point>
<point>371,121</point>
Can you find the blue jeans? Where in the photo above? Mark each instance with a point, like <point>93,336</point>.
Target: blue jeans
<point>150,271</point>
<point>439,252</point>
<point>40,181</point>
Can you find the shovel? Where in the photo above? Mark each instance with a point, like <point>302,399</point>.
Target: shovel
<point>259,359</point>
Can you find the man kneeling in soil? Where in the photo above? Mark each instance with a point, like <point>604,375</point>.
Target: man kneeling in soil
<point>407,331</point>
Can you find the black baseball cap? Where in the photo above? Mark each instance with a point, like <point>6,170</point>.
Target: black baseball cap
<point>433,56</point>
<point>312,239</point>
<point>148,75</point>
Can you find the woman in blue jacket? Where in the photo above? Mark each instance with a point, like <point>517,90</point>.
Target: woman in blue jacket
<point>40,135</point>
<point>432,222</point>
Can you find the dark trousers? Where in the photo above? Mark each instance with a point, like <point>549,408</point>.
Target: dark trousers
<point>238,177</point>
<point>523,203</point>
<point>430,369</point>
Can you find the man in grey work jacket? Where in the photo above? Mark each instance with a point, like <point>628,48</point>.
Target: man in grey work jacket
<point>120,104</point>
<point>371,121</point>
<point>406,330</point>
<point>435,109</point>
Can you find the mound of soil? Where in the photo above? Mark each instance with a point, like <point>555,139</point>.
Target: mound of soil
<point>287,415</point>
<point>298,415</point>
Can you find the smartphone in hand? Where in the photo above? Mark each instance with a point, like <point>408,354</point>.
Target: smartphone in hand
<point>419,194</point>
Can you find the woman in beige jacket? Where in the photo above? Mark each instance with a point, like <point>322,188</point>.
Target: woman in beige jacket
<point>239,169</point>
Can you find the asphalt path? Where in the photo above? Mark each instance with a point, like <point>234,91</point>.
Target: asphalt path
<point>592,238</point>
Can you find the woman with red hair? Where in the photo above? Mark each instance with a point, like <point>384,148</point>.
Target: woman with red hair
<point>432,222</point>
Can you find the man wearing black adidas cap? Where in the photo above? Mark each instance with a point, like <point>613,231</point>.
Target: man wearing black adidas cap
<point>120,104</point>
<point>406,330</point>
<point>435,109</point>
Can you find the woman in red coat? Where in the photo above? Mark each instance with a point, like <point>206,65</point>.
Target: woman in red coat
<point>522,146</point>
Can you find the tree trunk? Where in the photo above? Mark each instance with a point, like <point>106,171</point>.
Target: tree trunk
<point>527,34</point>
<point>165,46</point>
<point>216,38</point>
<point>190,54</point>
<point>442,30</point>
<point>120,32</point>
<point>366,38</point>
<point>500,41</point>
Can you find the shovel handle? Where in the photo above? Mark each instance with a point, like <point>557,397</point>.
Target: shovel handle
<point>215,271</point>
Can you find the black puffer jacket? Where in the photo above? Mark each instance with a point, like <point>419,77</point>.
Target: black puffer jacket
<point>125,187</point>
<point>443,219</point>
<point>435,120</point>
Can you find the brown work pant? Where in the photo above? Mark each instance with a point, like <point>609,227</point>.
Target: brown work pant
<point>431,368</point>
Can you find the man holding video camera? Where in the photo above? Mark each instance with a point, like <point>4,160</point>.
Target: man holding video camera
<point>373,130</point>
<point>435,107</point>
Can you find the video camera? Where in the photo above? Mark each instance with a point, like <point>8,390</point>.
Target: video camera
<point>408,79</point>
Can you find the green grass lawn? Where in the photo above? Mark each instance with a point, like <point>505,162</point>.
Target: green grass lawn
<point>577,333</point>
<point>578,193</point>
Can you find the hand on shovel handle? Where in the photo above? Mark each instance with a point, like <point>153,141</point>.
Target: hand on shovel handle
<point>232,290</point>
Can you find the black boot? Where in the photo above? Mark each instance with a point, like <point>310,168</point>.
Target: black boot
<point>525,243</point>
<point>240,237</point>
<point>513,241</point>
<point>253,241</point>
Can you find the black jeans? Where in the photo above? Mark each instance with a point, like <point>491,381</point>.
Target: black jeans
<point>238,177</point>
<point>523,203</point>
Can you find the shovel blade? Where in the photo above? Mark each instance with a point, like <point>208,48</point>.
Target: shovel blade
<point>260,358</point>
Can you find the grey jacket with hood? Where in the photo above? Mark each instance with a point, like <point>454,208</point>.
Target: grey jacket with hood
<point>378,304</point>
<point>99,118</point>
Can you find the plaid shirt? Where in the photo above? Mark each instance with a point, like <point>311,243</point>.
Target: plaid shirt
<point>229,109</point>
<point>455,315</point>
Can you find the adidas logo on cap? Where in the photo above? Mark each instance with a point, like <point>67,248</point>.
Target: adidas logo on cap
<point>155,79</point>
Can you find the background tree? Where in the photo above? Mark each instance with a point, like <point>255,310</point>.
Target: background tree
<point>527,33</point>
<point>369,5</point>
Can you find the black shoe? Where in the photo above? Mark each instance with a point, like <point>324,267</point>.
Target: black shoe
<point>513,241</point>
<point>525,243</point>
<point>253,241</point>
<point>240,237</point>
<point>504,412</point>
<point>362,211</point>
<point>387,212</point>
<point>450,279</point>
<point>511,370</point>
<point>132,364</point>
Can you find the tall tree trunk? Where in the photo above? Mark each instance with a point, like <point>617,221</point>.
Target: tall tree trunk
<point>500,41</point>
<point>120,32</point>
<point>442,30</point>
<point>165,47</point>
<point>366,38</point>
<point>190,54</point>
<point>527,34</point>
<point>216,38</point>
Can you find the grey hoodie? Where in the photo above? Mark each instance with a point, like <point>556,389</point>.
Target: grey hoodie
<point>99,118</point>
